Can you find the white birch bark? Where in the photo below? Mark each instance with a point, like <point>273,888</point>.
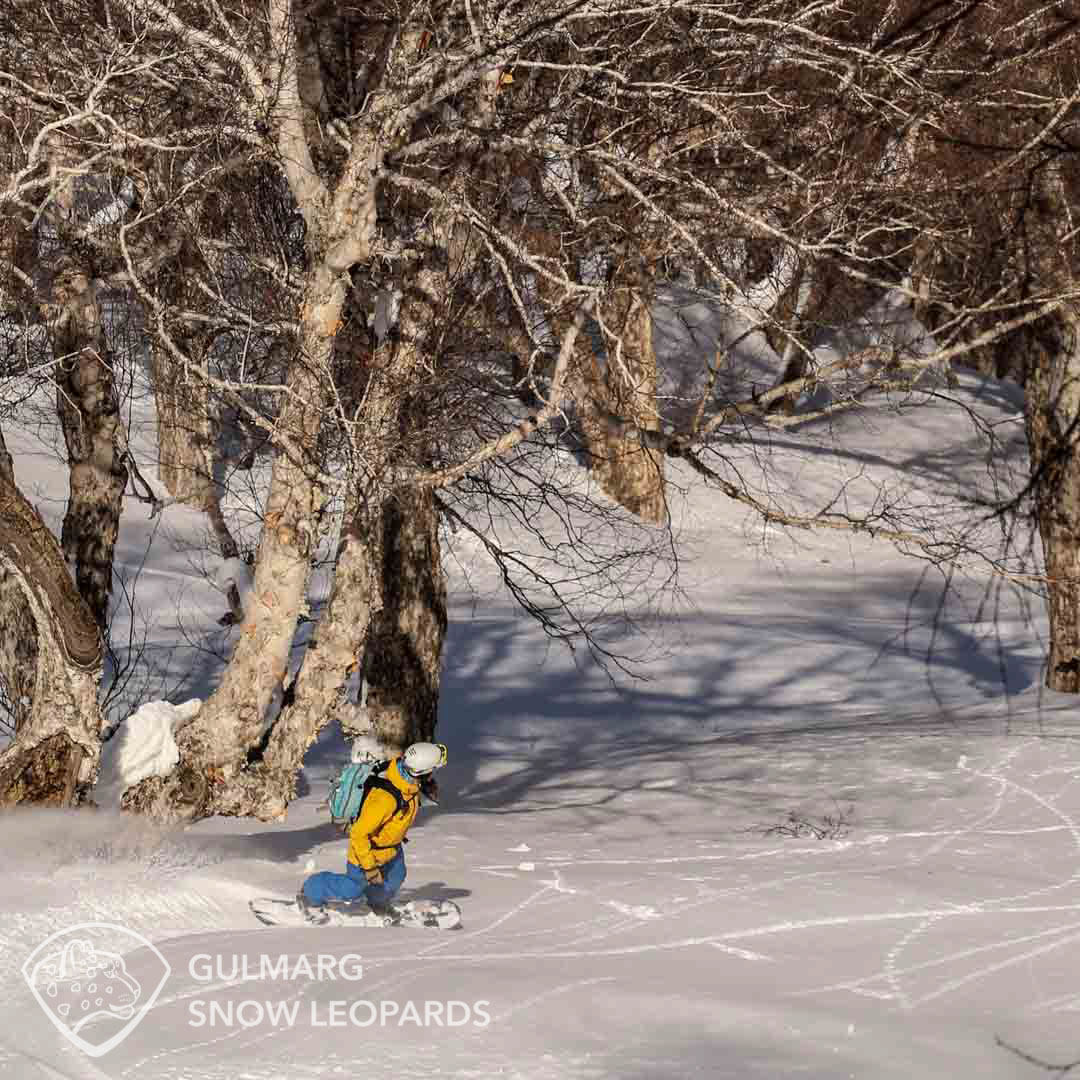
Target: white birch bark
<point>54,756</point>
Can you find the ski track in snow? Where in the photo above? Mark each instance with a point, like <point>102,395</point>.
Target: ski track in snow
<point>920,963</point>
<point>932,941</point>
<point>576,936</point>
<point>589,936</point>
<point>893,972</point>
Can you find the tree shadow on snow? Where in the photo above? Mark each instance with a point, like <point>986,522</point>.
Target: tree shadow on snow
<point>529,735</point>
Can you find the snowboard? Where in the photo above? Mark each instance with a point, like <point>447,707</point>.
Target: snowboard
<point>421,914</point>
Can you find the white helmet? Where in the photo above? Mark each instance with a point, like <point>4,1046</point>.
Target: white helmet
<point>424,757</point>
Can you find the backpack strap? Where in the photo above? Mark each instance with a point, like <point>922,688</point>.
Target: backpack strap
<point>377,780</point>
<point>383,784</point>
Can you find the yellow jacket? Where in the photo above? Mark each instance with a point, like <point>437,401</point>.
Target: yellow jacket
<point>380,828</point>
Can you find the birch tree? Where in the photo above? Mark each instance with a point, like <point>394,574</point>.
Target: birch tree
<point>373,233</point>
<point>995,150</point>
<point>55,660</point>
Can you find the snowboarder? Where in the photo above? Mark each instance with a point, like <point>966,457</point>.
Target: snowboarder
<point>375,864</point>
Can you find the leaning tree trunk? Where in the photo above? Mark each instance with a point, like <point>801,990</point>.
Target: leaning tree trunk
<point>87,403</point>
<point>1052,410</point>
<point>318,694</point>
<point>619,403</point>
<point>18,649</point>
<point>18,635</point>
<point>54,756</point>
<point>238,715</point>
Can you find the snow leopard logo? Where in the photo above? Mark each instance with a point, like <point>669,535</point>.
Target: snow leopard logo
<point>86,989</point>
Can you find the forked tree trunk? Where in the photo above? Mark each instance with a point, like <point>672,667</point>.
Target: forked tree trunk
<point>54,756</point>
<point>87,403</point>
<point>363,572</point>
<point>240,754</point>
<point>217,745</point>
<point>212,783</point>
<point>619,402</point>
<point>1052,408</point>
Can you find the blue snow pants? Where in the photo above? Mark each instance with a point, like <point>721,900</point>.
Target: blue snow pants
<point>352,885</point>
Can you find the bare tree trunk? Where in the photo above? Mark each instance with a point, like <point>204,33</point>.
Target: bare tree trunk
<point>790,334</point>
<point>241,719</point>
<point>403,660</point>
<point>362,577</point>
<point>619,402</point>
<point>185,444</point>
<point>18,634</point>
<point>55,753</point>
<point>244,705</point>
<point>18,649</point>
<point>339,641</point>
<point>331,656</point>
<point>189,460</point>
<point>86,401</point>
<point>1052,406</point>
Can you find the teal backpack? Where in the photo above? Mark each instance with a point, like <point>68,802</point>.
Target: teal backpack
<point>348,791</point>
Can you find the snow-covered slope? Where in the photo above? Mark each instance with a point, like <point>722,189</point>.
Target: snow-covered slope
<point>835,833</point>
